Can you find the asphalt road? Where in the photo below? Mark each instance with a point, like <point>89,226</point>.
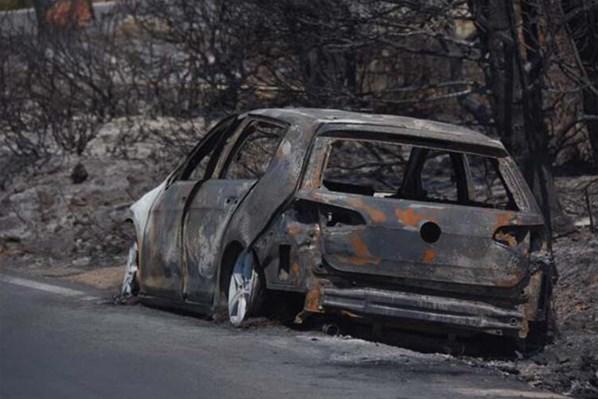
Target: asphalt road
<point>72,343</point>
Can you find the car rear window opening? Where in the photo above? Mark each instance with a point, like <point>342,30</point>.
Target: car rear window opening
<point>397,170</point>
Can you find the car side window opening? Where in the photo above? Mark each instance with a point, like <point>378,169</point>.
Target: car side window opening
<point>258,144</point>
<point>202,161</point>
<point>438,178</point>
<point>488,186</point>
<point>366,167</point>
<point>199,171</point>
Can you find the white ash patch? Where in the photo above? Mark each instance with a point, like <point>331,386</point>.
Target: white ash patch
<point>354,351</point>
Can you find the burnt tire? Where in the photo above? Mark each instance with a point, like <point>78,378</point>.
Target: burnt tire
<point>245,295</point>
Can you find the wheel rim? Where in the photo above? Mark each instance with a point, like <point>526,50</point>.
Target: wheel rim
<point>130,272</point>
<point>241,289</point>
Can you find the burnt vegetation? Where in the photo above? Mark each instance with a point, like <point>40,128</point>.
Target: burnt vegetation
<point>522,71</point>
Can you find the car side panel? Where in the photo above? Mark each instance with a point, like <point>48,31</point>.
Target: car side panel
<point>139,211</point>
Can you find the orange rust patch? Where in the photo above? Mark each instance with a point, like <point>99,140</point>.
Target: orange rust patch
<point>504,218</point>
<point>374,213</point>
<point>362,253</point>
<point>312,300</point>
<point>351,314</point>
<point>505,237</point>
<point>360,247</point>
<point>354,260</point>
<point>409,217</point>
<point>511,281</point>
<point>532,291</point>
<point>316,179</point>
<point>429,255</point>
<point>67,13</point>
<point>295,269</point>
<point>317,195</point>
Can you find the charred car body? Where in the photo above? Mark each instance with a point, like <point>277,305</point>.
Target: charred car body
<point>370,216</point>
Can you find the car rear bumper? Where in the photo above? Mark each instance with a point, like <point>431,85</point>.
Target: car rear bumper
<point>461,313</point>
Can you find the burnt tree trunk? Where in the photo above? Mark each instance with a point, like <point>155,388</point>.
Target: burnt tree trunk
<point>41,7</point>
<point>590,105</point>
<point>515,76</point>
<point>493,21</point>
<point>583,29</point>
<point>537,164</point>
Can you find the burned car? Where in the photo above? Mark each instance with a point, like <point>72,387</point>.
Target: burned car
<point>374,217</point>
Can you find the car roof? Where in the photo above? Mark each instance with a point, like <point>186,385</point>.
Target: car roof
<point>400,125</point>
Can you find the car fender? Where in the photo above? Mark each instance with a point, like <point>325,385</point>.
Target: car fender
<point>139,211</point>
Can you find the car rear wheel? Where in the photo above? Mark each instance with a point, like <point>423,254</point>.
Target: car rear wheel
<point>244,289</point>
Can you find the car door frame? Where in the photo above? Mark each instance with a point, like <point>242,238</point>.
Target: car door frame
<point>149,271</point>
<point>230,150</point>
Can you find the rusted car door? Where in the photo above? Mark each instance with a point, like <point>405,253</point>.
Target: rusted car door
<point>209,211</point>
<point>161,273</point>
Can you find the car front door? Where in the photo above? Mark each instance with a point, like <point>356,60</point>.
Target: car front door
<point>209,211</point>
<point>161,273</point>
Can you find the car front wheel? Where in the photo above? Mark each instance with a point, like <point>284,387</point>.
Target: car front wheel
<point>244,289</point>
<point>130,285</point>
